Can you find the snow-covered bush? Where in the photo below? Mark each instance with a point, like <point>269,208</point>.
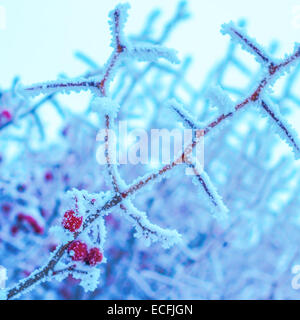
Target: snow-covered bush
<point>228,230</point>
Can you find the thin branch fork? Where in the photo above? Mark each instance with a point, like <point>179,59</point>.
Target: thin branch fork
<point>258,52</point>
<point>255,96</point>
<point>102,84</point>
<point>120,47</point>
<point>200,175</point>
<point>82,84</point>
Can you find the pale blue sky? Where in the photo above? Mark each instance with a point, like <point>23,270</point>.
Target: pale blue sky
<point>41,36</point>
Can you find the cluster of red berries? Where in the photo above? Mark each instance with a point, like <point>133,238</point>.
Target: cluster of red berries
<point>79,252</point>
<point>78,249</point>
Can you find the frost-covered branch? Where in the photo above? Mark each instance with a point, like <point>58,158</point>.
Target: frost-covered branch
<point>282,127</point>
<point>61,86</point>
<point>246,42</point>
<point>149,232</point>
<point>218,208</point>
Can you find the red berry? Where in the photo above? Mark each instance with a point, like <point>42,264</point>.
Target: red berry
<point>94,257</point>
<point>6,114</point>
<point>52,247</point>
<point>48,176</point>
<point>78,250</point>
<point>14,230</point>
<point>71,221</point>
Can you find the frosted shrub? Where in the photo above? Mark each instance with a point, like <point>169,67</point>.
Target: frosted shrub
<point>134,231</point>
